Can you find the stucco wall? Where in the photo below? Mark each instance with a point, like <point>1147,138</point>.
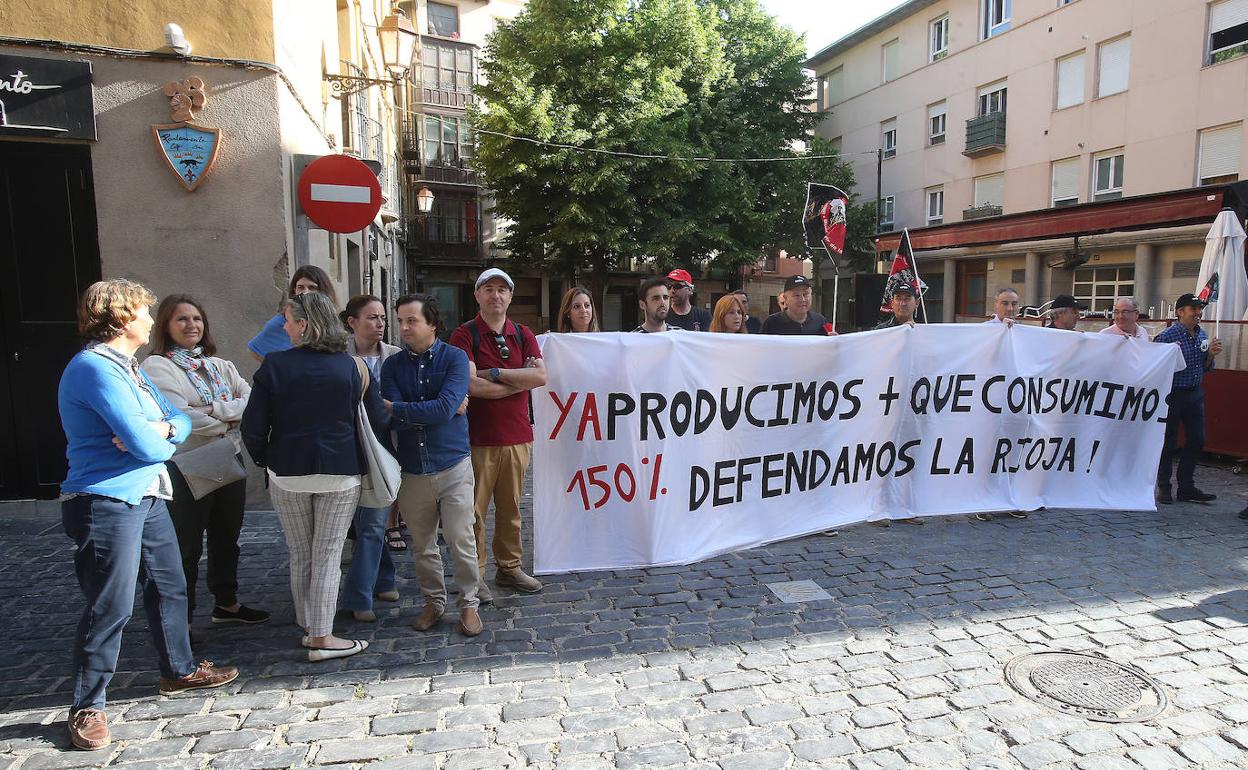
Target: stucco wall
<point>238,29</point>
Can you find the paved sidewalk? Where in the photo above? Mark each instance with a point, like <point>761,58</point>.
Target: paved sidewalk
<point>698,666</point>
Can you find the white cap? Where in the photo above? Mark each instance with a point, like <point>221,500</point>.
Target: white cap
<point>494,272</point>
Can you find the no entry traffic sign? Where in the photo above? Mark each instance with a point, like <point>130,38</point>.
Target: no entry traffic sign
<point>339,193</point>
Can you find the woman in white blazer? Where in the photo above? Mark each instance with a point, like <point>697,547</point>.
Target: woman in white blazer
<point>208,389</point>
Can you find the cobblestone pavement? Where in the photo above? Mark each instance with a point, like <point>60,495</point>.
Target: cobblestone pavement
<point>696,666</point>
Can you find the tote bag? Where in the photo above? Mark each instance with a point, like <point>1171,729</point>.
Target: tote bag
<point>379,484</point>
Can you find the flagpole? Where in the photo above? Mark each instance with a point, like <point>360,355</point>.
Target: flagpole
<point>914,263</point>
<point>836,285</point>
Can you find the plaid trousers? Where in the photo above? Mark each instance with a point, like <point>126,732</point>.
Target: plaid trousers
<point>315,525</point>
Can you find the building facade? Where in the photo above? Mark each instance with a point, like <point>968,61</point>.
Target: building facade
<point>88,191</point>
<point>1025,142</point>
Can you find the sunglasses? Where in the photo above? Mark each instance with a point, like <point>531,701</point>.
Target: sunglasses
<point>503,350</point>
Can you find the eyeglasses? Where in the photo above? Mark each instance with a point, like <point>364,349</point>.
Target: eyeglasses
<point>503,350</point>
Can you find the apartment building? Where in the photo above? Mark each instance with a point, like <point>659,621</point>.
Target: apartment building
<point>1078,146</point>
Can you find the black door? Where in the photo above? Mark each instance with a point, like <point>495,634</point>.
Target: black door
<point>48,255</point>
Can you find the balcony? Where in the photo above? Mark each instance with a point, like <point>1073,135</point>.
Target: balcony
<point>445,74</point>
<point>985,135</point>
<point>420,168</point>
<point>428,245</point>
<point>982,212</point>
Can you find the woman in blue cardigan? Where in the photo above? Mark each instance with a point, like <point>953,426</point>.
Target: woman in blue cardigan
<point>120,432</point>
<point>300,424</point>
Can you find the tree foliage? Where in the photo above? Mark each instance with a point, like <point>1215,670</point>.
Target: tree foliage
<point>668,78</point>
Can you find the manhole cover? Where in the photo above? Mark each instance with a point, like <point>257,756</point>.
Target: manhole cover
<point>794,591</point>
<point>1087,685</point>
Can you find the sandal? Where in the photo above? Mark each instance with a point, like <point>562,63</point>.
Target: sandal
<point>394,540</point>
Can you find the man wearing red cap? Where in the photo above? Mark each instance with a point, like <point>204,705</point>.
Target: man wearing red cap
<point>683,314</point>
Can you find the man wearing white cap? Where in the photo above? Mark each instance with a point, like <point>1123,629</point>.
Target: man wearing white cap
<point>505,363</point>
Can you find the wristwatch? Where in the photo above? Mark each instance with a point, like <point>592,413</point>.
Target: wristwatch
<point>493,373</point>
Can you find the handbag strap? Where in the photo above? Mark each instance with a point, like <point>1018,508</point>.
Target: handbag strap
<point>363,369</point>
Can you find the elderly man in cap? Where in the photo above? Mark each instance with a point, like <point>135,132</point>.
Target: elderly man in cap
<point>796,317</point>
<point>904,304</point>
<point>1186,401</point>
<point>682,313</point>
<point>504,364</point>
<point>1064,313</point>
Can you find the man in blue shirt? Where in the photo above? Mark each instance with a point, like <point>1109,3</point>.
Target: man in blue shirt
<point>425,388</point>
<point>1187,401</point>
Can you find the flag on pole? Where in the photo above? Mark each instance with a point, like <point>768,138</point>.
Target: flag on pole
<point>824,217</point>
<point>902,273</point>
<point>1210,292</point>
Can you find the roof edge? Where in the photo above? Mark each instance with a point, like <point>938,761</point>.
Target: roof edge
<point>903,11</point>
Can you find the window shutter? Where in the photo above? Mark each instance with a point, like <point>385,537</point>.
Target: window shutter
<point>1227,14</point>
<point>836,82</point>
<point>1070,81</point>
<point>1066,179</point>
<point>1115,67</point>
<point>1219,151</point>
<point>892,60</point>
<point>990,190</point>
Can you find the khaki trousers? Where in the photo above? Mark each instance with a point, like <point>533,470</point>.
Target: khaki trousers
<point>499,471</point>
<point>425,499</point>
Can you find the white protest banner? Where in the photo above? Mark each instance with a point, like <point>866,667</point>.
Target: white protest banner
<point>659,449</point>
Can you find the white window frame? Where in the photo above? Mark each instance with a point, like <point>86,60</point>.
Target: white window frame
<point>937,116</point>
<point>1081,79</point>
<point>984,105</point>
<point>1085,290</point>
<point>996,16</point>
<point>888,204</point>
<point>1101,88</point>
<point>938,39</point>
<point>934,216</point>
<point>1233,133</point>
<point>1117,166</point>
<point>895,43</point>
<point>888,138</point>
<point>1067,200</point>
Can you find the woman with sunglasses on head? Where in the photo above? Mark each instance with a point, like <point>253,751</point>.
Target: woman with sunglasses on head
<point>273,338</point>
<point>576,312</point>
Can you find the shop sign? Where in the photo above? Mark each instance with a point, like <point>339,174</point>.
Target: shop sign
<point>46,98</point>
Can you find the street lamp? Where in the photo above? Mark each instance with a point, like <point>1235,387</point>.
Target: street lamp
<point>424,200</point>
<point>397,37</point>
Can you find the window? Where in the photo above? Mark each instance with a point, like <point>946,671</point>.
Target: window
<point>1069,81</point>
<point>821,95</point>
<point>1098,287</point>
<point>892,60</point>
<point>1065,182</point>
<point>1114,66</point>
<point>835,145</point>
<point>887,211</point>
<point>996,15</point>
<point>455,218</point>
<point>1018,276</point>
<point>1219,155</point>
<point>936,122</point>
<point>990,190</point>
<point>835,85</point>
<point>1107,176</point>
<point>447,141</point>
<point>938,47</point>
<point>935,205</point>
<point>1060,3</point>
<point>888,137</point>
<point>443,20</point>
<point>1228,30</point>
<point>934,297</point>
<point>445,68</point>
<point>992,98</point>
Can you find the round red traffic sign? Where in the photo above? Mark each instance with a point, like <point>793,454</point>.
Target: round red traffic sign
<point>339,193</point>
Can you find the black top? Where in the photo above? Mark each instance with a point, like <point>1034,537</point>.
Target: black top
<point>696,320</point>
<point>753,325</point>
<point>300,418</point>
<point>780,323</point>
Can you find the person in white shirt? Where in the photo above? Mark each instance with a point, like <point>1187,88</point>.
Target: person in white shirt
<point>1126,320</point>
<point>1006,307</point>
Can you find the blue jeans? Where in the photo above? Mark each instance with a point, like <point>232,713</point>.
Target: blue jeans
<point>1187,408</point>
<point>117,542</point>
<point>372,569</point>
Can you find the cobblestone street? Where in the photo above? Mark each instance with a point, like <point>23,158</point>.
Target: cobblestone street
<point>699,666</point>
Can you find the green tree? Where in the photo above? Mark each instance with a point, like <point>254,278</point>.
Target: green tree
<point>673,78</point>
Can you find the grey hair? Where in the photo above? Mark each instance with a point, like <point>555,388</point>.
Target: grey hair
<point>1134,305</point>
<point>324,331</point>
<point>1004,289</point>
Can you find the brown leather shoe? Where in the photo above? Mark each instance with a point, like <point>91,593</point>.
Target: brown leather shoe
<point>470,621</point>
<point>428,617</point>
<point>88,730</point>
<point>202,678</point>
<point>515,578</point>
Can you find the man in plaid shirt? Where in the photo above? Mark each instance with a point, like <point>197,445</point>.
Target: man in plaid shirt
<point>1187,401</point>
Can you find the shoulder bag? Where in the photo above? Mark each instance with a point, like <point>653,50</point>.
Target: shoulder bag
<point>379,484</point>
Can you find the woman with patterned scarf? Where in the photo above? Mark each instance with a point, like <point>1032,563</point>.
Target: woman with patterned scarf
<point>212,393</point>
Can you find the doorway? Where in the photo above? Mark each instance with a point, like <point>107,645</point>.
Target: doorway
<point>49,254</point>
<point>972,294</point>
